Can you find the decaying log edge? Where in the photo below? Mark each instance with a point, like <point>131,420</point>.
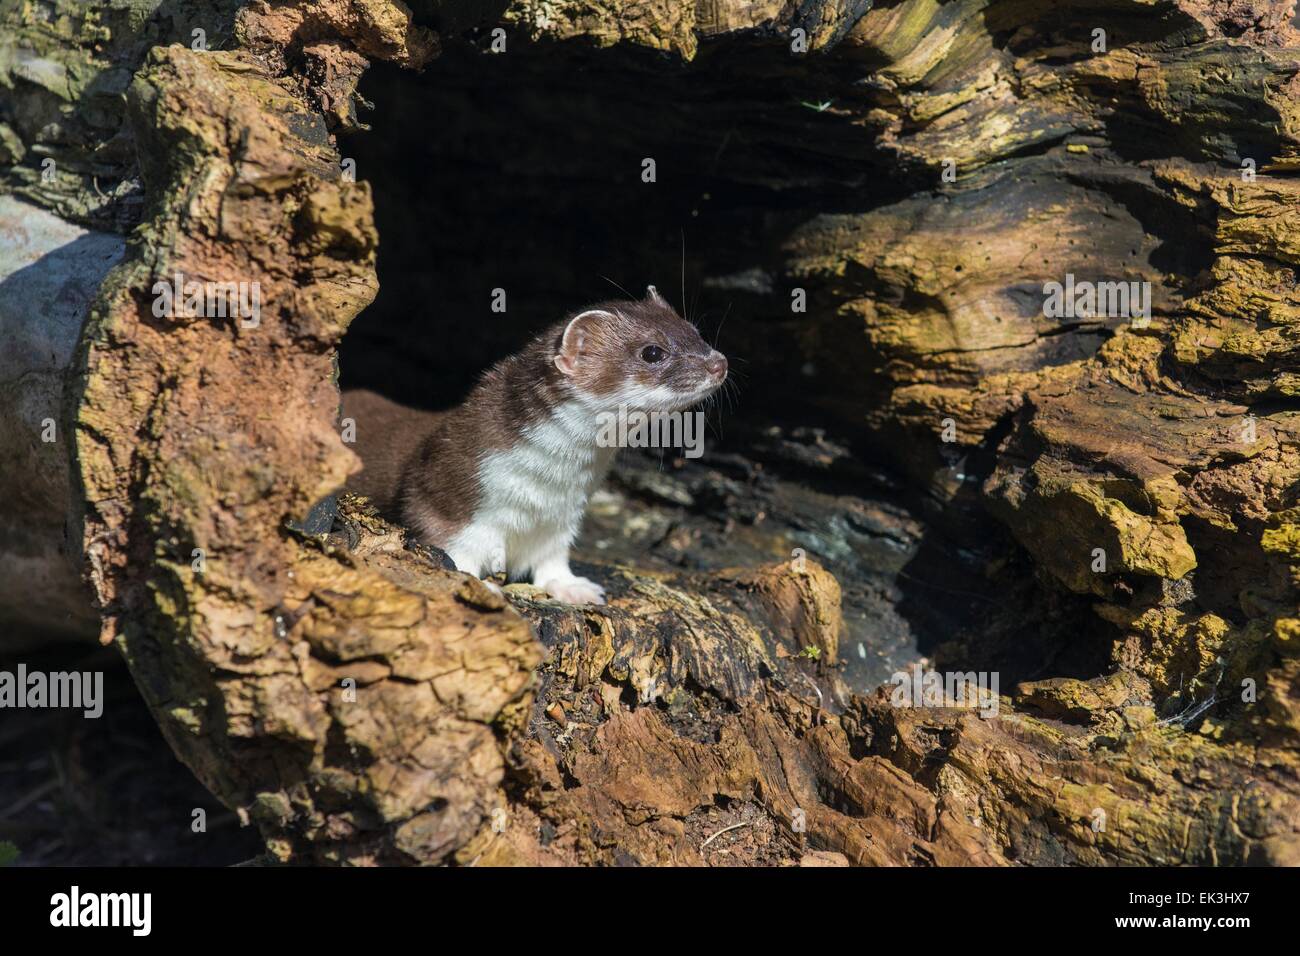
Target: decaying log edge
<point>197,437</point>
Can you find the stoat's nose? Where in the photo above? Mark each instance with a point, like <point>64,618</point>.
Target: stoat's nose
<point>716,363</point>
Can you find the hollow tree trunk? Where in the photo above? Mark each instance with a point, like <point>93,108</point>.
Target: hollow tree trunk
<point>362,704</point>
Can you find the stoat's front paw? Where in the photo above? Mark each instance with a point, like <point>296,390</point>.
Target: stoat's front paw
<point>574,590</point>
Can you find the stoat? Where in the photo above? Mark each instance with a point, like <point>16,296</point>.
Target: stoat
<point>501,482</point>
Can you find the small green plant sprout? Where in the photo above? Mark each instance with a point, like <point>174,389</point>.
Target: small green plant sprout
<point>812,652</point>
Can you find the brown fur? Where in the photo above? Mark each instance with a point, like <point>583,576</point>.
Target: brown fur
<point>385,432</point>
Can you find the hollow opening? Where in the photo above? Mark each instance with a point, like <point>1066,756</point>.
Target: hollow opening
<point>522,176</point>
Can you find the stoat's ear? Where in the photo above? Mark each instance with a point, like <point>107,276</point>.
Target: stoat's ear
<point>653,295</point>
<point>577,339</point>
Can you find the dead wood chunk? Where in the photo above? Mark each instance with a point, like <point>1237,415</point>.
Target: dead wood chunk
<point>817,858</point>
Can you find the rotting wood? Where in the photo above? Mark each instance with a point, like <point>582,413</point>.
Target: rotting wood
<point>197,438</point>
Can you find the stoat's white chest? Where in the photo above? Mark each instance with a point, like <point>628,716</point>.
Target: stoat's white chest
<point>532,496</point>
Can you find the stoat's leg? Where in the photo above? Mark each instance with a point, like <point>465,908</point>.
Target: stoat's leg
<point>551,573</point>
<point>477,551</point>
<point>570,588</point>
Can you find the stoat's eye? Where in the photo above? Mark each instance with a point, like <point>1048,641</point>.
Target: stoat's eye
<point>653,353</point>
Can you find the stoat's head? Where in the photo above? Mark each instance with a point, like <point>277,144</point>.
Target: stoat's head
<point>639,354</point>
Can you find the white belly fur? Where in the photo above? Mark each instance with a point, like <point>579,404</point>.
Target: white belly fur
<point>532,498</point>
